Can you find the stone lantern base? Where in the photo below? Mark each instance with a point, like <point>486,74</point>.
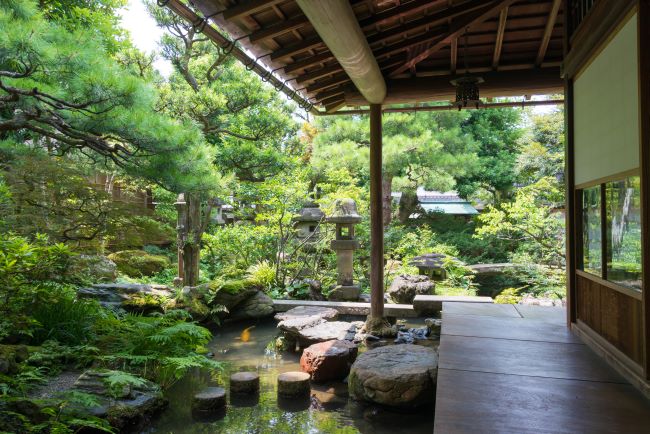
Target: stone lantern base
<point>345,293</point>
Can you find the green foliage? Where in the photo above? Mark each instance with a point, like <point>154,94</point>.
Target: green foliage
<point>262,273</point>
<point>28,271</point>
<point>137,263</point>
<point>116,381</point>
<point>101,111</point>
<point>161,347</point>
<point>497,133</point>
<point>509,296</point>
<point>230,250</point>
<point>63,317</point>
<point>529,220</point>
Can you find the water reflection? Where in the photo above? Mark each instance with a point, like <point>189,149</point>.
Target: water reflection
<point>327,410</point>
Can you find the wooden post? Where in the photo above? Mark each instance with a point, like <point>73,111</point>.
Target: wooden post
<point>376,217</point>
<point>181,233</point>
<point>644,159</point>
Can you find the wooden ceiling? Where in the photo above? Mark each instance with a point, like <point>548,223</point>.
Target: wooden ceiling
<point>515,43</point>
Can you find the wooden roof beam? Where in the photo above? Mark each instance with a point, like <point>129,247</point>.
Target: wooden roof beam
<point>497,84</point>
<point>378,38</point>
<point>454,55</point>
<point>281,28</point>
<point>247,7</point>
<point>338,27</point>
<point>457,29</point>
<point>503,17</point>
<point>550,24</point>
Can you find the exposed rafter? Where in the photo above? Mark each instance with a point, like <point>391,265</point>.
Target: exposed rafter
<point>247,7</point>
<point>501,30</point>
<point>550,24</point>
<point>457,29</point>
<point>278,29</point>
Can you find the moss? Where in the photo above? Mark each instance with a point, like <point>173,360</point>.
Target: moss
<point>509,296</point>
<point>138,263</point>
<point>234,286</point>
<point>145,303</point>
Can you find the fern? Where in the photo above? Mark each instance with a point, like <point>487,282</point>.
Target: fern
<point>117,380</point>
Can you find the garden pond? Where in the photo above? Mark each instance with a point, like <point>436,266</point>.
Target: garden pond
<point>250,346</point>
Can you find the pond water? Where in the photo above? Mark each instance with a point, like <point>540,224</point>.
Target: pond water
<point>328,410</point>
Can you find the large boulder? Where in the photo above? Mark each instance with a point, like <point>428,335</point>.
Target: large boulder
<point>310,324</point>
<point>138,263</point>
<point>135,297</point>
<point>309,330</point>
<point>91,268</point>
<point>330,360</point>
<point>400,376</point>
<point>405,287</point>
<point>259,305</point>
<point>128,407</point>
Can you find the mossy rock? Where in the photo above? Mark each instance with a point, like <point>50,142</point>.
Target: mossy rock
<point>138,263</point>
<point>234,286</point>
<point>91,268</point>
<point>11,356</point>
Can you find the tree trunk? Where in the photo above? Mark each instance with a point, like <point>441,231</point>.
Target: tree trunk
<point>387,200</point>
<point>192,245</point>
<point>190,230</point>
<point>407,205</point>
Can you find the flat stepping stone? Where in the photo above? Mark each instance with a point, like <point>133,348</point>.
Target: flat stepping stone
<point>293,384</point>
<point>324,313</point>
<point>244,382</point>
<point>330,360</point>
<point>400,376</point>
<point>209,400</point>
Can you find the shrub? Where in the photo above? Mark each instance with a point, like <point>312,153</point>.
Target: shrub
<point>138,263</point>
<point>29,271</point>
<point>162,347</point>
<point>62,317</point>
<point>509,296</point>
<point>262,273</point>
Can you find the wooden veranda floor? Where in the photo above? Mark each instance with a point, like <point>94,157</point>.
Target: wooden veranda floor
<point>518,369</point>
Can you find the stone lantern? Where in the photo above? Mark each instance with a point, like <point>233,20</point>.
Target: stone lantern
<point>431,265</point>
<point>345,217</point>
<point>307,223</point>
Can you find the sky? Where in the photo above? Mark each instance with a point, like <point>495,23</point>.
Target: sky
<point>144,32</point>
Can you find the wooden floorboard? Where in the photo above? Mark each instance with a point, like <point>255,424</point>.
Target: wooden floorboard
<point>507,328</point>
<point>555,315</point>
<point>479,402</point>
<point>481,309</point>
<point>516,357</point>
<point>525,373</point>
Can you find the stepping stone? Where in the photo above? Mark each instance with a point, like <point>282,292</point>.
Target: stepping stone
<point>244,382</point>
<point>209,400</point>
<point>293,384</point>
<point>400,376</point>
<point>324,313</point>
<point>330,360</point>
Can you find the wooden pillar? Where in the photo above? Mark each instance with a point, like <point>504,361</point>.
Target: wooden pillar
<point>571,218</point>
<point>644,159</point>
<point>376,216</point>
<point>181,233</point>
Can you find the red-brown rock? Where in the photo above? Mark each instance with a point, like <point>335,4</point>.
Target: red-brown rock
<point>330,360</point>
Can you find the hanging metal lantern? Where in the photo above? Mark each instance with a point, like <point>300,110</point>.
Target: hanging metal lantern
<point>467,92</point>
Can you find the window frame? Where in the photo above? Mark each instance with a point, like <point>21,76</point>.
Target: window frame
<point>579,196</point>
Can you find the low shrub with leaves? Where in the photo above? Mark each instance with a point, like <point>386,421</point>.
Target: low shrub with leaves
<point>161,347</point>
<point>29,271</point>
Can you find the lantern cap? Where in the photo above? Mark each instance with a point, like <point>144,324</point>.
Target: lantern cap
<point>345,211</point>
<point>310,212</point>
